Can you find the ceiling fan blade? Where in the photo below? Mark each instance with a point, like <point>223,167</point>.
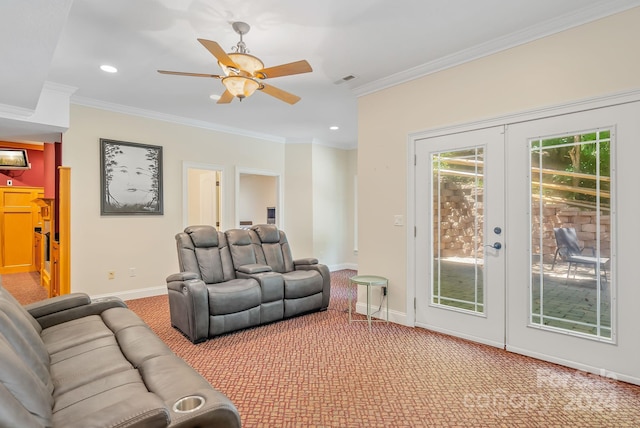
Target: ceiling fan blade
<point>280,94</point>
<point>225,98</point>
<point>218,52</point>
<point>297,67</point>
<point>181,73</point>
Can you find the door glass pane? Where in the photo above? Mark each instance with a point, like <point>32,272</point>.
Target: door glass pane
<point>457,207</point>
<point>571,243</point>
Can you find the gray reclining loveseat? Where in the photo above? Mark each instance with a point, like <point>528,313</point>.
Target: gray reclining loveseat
<point>239,279</point>
<point>72,362</point>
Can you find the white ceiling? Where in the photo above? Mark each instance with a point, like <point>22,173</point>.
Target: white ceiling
<point>381,42</point>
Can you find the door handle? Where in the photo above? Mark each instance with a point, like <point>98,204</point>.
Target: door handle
<point>495,245</point>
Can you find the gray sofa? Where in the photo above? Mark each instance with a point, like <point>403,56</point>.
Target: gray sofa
<point>241,278</point>
<point>72,362</point>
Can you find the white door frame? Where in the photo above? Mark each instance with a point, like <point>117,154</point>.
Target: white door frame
<point>186,166</point>
<point>279,193</point>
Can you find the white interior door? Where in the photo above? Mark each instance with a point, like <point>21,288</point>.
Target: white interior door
<point>460,230</point>
<point>579,172</point>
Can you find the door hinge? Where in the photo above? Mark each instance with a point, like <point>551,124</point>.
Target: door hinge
<point>415,160</point>
<point>414,304</point>
<point>415,231</point>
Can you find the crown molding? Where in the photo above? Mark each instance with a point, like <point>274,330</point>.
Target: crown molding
<point>149,114</point>
<point>526,35</point>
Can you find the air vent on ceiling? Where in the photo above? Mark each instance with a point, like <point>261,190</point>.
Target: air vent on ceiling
<point>345,79</point>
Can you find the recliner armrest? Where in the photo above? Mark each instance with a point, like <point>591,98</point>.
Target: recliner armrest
<point>306,261</point>
<point>182,276</point>
<point>253,268</point>
<point>59,309</point>
<point>57,304</point>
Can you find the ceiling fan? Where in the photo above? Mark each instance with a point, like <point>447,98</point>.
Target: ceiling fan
<point>243,73</point>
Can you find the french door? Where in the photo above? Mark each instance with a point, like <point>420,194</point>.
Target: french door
<point>527,238</point>
<point>578,185</point>
<point>460,232</point>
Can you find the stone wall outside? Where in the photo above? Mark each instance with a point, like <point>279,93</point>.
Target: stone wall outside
<point>458,216</point>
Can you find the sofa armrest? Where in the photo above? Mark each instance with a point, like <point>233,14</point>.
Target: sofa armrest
<point>59,309</point>
<point>253,268</point>
<point>323,270</point>
<point>189,305</point>
<point>305,261</point>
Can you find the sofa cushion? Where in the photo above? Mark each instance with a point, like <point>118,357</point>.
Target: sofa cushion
<point>8,297</point>
<point>73,333</point>
<point>233,296</point>
<point>24,385</point>
<point>26,342</point>
<point>106,399</point>
<point>85,367</point>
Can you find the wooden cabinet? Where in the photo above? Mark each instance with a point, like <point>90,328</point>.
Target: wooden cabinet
<point>54,289</point>
<point>19,216</point>
<point>22,210</point>
<point>37,250</point>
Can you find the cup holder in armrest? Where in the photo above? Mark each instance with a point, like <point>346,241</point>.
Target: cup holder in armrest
<point>188,404</point>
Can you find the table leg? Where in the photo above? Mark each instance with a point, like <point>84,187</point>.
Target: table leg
<point>349,297</point>
<point>369,305</point>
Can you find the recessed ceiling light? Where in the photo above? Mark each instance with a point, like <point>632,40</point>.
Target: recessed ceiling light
<point>334,128</point>
<point>214,97</point>
<point>108,68</point>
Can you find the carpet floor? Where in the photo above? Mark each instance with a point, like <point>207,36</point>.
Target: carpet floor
<point>318,370</point>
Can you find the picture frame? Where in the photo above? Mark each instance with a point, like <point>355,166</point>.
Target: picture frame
<point>130,178</point>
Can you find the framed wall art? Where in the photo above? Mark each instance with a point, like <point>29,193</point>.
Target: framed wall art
<point>130,178</point>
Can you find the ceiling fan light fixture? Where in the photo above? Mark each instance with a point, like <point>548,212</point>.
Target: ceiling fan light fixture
<point>240,86</point>
<point>245,62</point>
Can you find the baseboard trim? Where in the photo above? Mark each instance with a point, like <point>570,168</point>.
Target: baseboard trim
<point>575,365</point>
<point>343,266</point>
<point>135,294</point>
<point>394,316</point>
<point>469,337</point>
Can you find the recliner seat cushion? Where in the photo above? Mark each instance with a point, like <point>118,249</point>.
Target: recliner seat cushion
<point>233,296</point>
<point>301,283</point>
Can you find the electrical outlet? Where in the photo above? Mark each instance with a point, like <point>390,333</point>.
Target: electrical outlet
<point>9,182</point>
<point>132,271</point>
<point>111,275</point>
<point>398,220</point>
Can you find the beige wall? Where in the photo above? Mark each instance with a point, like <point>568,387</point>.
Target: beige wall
<point>321,178</point>
<point>333,174</point>
<point>100,244</point>
<point>595,59</point>
<point>298,199</point>
<point>257,192</point>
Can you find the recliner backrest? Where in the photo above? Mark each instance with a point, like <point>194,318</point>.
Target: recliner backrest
<point>26,386</point>
<point>244,247</point>
<point>204,251</point>
<point>274,247</point>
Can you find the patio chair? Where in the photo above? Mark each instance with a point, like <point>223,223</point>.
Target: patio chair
<point>569,250</point>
